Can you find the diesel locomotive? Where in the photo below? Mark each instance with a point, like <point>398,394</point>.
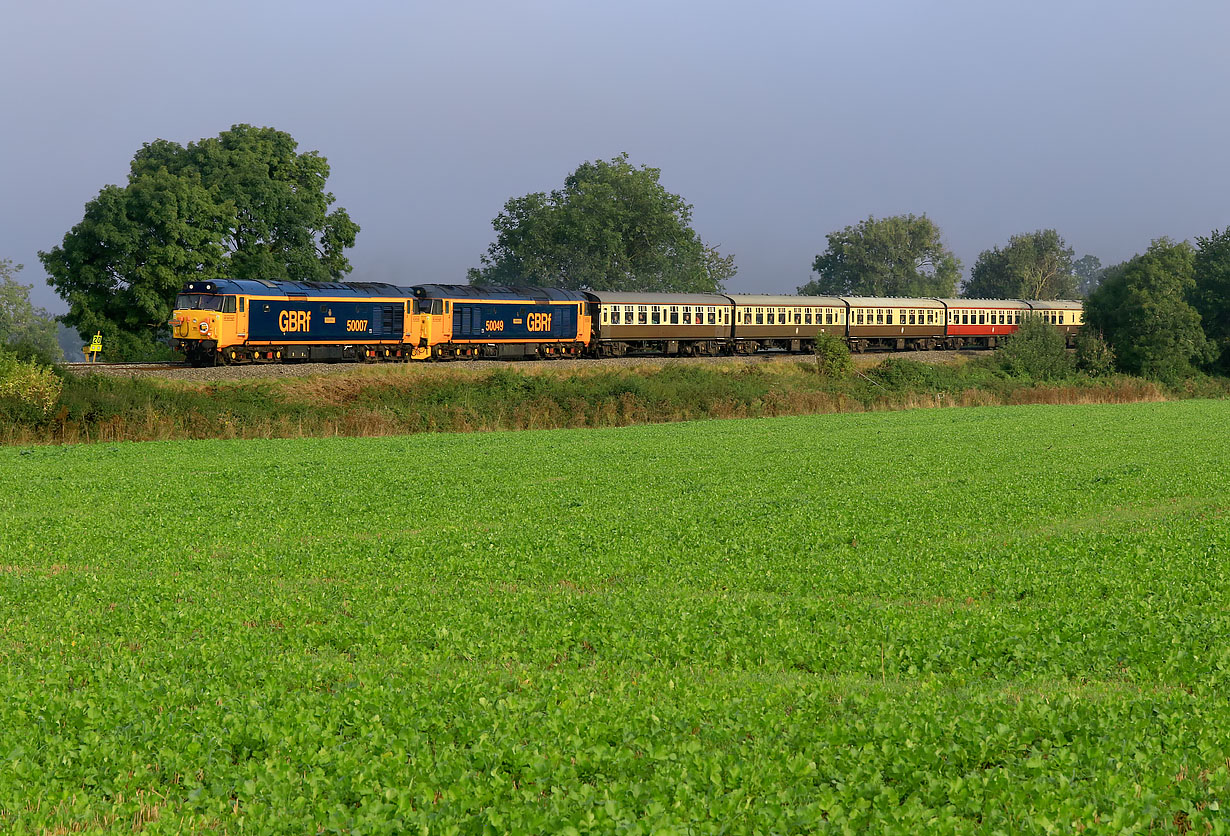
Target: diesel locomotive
<point>247,321</point>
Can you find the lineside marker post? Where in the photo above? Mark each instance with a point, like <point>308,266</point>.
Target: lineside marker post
<point>94,348</point>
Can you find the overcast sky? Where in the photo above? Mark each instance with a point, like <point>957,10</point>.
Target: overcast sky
<point>779,122</point>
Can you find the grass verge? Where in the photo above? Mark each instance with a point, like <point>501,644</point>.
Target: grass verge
<point>402,400</point>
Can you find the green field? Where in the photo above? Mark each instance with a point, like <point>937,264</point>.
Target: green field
<point>1003,620</point>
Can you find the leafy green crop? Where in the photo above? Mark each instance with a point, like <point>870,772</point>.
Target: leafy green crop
<point>1006,620</point>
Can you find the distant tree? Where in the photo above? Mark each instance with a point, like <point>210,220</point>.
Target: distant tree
<point>1211,294</point>
<point>901,255</point>
<point>1141,309</point>
<point>1088,270</point>
<point>244,204</point>
<point>1034,265</point>
<point>25,330</point>
<point>611,227</point>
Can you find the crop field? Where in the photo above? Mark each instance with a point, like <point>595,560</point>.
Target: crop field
<point>1000,620</point>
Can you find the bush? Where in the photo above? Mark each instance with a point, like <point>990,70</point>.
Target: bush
<point>26,386</point>
<point>1038,351</point>
<point>833,356</point>
<point>1094,356</point>
<point>900,373</point>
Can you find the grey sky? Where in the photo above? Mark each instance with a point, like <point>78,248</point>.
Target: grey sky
<point>779,122</point>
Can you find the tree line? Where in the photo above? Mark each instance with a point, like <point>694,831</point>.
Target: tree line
<point>249,204</point>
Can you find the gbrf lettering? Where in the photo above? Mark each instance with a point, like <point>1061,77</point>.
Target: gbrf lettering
<point>290,321</point>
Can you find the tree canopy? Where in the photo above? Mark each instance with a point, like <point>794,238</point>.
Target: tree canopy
<point>25,330</point>
<point>1088,270</point>
<point>244,204</point>
<point>901,255</point>
<point>1141,309</point>
<point>611,227</point>
<point>1211,293</point>
<point>1034,265</point>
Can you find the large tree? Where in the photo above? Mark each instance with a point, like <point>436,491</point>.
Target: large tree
<point>1034,265</point>
<point>24,329</point>
<point>1211,293</point>
<point>1141,309</point>
<point>901,255</point>
<point>611,227</point>
<point>244,204</point>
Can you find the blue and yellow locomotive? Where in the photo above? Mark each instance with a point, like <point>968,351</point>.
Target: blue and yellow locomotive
<point>244,321</point>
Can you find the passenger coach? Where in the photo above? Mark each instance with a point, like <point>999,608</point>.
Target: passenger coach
<point>894,323</point>
<point>668,323</point>
<point>787,323</point>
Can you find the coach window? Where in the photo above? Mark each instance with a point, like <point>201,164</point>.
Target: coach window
<point>655,314</point>
<point>888,317</point>
<point>674,315</point>
<point>606,316</point>
<point>687,315</point>
<point>713,316</point>
<point>772,316</point>
<point>642,314</point>
<point>807,317</point>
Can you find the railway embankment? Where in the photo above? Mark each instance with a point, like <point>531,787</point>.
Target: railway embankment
<point>294,402</point>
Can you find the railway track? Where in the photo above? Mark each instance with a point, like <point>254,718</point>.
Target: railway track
<point>148,367</point>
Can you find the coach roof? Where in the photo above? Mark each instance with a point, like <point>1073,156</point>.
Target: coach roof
<point>986,303</point>
<point>891,302</point>
<point>785,301</point>
<point>609,297</point>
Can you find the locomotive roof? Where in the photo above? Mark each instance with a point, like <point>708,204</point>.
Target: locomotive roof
<point>610,297</point>
<point>810,301</point>
<point>265,287</point>
<point>891,302</point>
<point>514,294</point>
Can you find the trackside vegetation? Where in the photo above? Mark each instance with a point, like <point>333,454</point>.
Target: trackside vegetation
<point>396,400</point>
<point>1002,620</point>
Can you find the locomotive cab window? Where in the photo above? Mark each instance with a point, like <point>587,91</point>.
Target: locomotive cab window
<point>198,302</point>
<point>228,304</point>
<point>241,301</point>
